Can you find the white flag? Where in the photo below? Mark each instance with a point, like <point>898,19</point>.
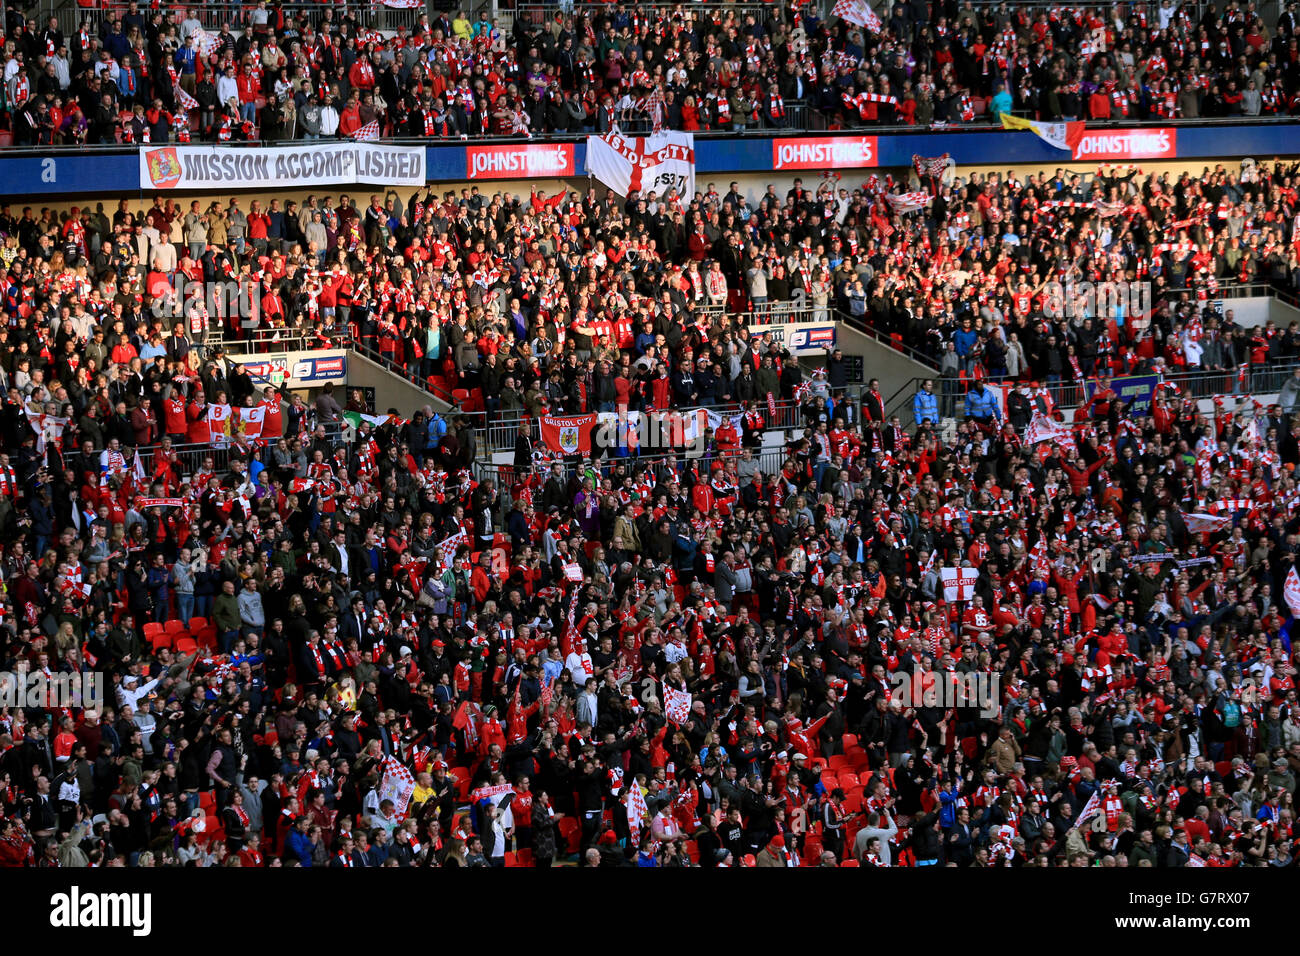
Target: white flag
<point>859,12</point>
<point>447,547</point>
<point>1041,428</point>
<point>397,785</point>
<point>1206,524</point>
<point>677,705</point>
<point>958,583</point>
<point>253,419</point>
<point>1090,809</point>
<point>663,162</point>
<point>218,416</point>
<point>908,202</point>
<point>637,810</point>
<point>1291,591</point>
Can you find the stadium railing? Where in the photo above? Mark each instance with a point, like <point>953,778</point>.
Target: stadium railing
<point>371,15</point>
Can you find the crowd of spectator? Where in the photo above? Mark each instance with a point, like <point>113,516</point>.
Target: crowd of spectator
<point>373,598</point>
<point>137,73</point>
<point>654,661</point>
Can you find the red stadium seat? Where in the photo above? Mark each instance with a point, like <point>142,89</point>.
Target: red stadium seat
<point>571,830</point>
<point>186,645</point>
<point>157,637</point>
<point>206,638</point>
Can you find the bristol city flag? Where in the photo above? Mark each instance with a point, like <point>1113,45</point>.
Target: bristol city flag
<point>568,435</point>
<point>663,162</point>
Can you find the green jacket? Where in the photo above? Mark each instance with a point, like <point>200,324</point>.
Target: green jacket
<point>225,612</point>
<point>1142,852</point>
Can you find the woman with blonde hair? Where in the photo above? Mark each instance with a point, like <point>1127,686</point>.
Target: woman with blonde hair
<point>66,639</point>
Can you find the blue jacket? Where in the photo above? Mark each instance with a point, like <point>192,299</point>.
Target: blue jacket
<point>965,341</point>
<point>982,404</point>
<point>925,405</point>
<point>299,844</point>
<point>947,809</point>
<point>437,429</point>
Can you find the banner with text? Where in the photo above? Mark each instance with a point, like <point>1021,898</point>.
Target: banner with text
<point>1102,144</point>
<point>1137,392</point>
<point>824,152</point>
<point>568,435</point>
<point>229,167</point>
<point>294,369</point>
<point>799,338</point>
<point>664,163</point>
<point>519,161</point>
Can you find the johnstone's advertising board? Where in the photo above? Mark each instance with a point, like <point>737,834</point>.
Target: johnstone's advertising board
<point>519,161</point>
<point>1129,144</point>
<point>230,167</point>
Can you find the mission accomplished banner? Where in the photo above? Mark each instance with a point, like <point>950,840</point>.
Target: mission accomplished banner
<point>196,167</point>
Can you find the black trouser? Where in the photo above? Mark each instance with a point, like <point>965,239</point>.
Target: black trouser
<point>591,820</point>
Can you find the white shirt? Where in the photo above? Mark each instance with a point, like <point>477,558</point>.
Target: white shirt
<point>329,121</point>
<point>579,666</point>
<point>499,844</point>
<point>131,698</point>
<point>227,89</point>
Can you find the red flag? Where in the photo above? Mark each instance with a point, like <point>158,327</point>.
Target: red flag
<point>568,435</point>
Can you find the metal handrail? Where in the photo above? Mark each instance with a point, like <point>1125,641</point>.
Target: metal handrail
<point>238,15</point>
<point>1262,379</point>
<point>498,434</point>
<point>770,462</point>
<point>753,133</point>
<point>1243,290</point>
<point>883,338</point>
